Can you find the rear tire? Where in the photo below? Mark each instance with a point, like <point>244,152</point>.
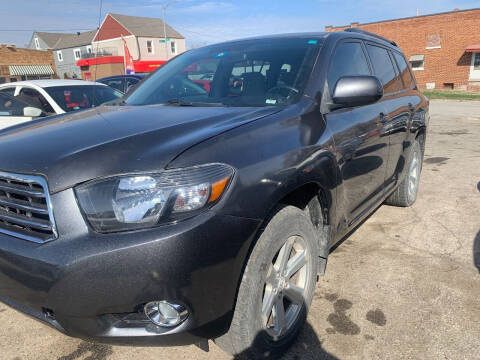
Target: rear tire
<point>406,193</point>
<point>276,289</point>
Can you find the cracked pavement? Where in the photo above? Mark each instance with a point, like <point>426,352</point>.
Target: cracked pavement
<point>404,285</point>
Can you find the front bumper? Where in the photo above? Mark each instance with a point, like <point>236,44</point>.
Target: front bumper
<point>93,286</point>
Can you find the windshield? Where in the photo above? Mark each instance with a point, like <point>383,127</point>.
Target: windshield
<point>72,98</point>
<point>247,73</point>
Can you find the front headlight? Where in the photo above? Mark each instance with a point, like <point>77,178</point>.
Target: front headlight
<point>137,201</point>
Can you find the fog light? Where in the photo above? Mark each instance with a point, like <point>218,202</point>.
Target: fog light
<point>166,314</point>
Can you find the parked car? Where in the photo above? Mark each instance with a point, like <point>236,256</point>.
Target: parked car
<point>209,214</point>
<point>123,83</point>
<point>59,96</point>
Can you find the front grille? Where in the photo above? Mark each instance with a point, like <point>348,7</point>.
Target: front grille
<point>25,209</point>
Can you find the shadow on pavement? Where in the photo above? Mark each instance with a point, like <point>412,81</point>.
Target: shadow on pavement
<point>476,251</point>
<point>306,346</point>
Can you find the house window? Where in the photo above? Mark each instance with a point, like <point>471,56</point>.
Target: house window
<point>149,46</point>
<point>476,61</point>
<point>417,62</point>
<point>475,67</point>
<point>77,54</point>
<point>37,43</point>
<point>59,55</point>
<point>172,47</point>
<point>434,41</point>
<point>89,49</point>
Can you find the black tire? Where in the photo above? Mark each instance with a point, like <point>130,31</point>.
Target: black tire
<point>248,335</point>
<point>402,196</point>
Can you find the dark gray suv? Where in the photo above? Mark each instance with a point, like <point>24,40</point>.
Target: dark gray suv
<point>205,203</point>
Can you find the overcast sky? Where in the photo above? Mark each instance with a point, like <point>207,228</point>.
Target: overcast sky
<point>204,22</point>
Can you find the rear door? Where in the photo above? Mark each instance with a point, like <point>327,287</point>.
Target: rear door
<point>397,109</point>
<point>362,149</point>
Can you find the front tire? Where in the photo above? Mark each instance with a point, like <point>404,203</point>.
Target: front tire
<point>406,193</point>
<point>276,289</point>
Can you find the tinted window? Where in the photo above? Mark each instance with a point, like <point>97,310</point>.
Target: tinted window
<point>10,106</point>
<point>35,99</point>
<point>404,71</point>
<point>243,73</point>
<point>10,91</point>
<point>348,60</point>
<point>383,69</point>
<point>114,83</point>
<point>130,82</point>
<point>71,98</point>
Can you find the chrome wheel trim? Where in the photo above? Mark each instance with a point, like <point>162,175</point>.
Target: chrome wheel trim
<point>286,287</point>
<point>414,175</point>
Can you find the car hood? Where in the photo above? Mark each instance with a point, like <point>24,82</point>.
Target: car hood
<point>109,140</point>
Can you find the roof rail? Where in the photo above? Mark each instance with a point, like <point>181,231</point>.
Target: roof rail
<point>368,33</point>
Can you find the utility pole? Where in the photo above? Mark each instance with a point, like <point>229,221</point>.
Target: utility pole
<point>164,9</point>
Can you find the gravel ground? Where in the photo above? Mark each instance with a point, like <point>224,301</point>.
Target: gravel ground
<point>404,285</point>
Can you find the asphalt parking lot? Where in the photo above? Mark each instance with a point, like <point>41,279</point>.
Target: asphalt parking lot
<point>403,286</point>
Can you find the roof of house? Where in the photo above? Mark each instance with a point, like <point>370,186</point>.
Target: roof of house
<point>64,40</point>
<point>72,40</point>
<point>144,26</point>
<point>49,38</point>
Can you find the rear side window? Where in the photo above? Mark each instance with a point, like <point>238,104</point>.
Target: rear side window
<point>10,91</point>
<point>404,71</point>
<point>349,59</point>
<point>383,69</point>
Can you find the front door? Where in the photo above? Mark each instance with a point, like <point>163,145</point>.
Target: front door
<point>362,148</point>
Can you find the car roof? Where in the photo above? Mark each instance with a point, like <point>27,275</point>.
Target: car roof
<point>52,82</point>
<point>138,76</point>
<point>315,35</point>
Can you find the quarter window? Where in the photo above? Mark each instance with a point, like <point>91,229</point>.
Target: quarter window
<point>383,69</point>
<point>348,60</point>
<point>404,71</point>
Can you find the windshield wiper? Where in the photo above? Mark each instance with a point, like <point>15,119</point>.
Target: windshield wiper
<point>178,102</point>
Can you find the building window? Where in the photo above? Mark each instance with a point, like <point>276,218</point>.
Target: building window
<point>476,61</point>
<point>59,55</point>
<point>434,41</point>
<point>77,54</point>
<point>37,43</point>
<point>149,46</point>
<point>417,62</point>
<point>89,49</point>
<point>172,47</point>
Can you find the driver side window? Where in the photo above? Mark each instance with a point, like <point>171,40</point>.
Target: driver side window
<point>9,106</point>
<point>348,60</point>
<point>35,99</point>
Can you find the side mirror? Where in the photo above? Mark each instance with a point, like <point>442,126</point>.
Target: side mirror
<point>32,112</point>
<point>357,90</point>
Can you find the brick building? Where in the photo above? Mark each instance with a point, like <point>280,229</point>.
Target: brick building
<point>18,64</point>
<point>443,49</point>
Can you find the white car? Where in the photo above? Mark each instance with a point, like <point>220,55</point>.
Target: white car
<point>26,100</point>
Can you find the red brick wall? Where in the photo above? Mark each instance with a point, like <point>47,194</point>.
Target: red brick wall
<point>450,63</point>
<point>111,29</point>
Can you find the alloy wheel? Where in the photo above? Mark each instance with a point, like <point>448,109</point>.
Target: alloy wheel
<point>414,175</point>
<point>285,288</point>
